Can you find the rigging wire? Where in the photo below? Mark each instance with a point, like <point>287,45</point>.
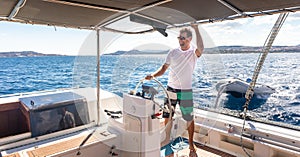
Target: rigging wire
<point>266,48</point>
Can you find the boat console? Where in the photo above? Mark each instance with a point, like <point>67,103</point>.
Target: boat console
<point>141,131</point>
<point>139,128</point>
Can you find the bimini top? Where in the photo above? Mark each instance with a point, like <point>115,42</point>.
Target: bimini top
<point>99,14</point>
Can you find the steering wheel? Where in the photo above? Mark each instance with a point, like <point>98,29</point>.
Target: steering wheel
<point>153,91</point>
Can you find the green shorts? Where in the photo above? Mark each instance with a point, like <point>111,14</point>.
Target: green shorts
<point>185,101</point>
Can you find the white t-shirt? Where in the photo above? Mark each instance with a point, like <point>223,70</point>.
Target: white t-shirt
<point>181,66</point>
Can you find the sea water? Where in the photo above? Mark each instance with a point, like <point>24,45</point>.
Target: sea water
<point>121,73</point>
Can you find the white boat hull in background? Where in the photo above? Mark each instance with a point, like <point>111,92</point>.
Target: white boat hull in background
<point>240,86</point>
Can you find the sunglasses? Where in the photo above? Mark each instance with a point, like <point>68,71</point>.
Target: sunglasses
<point>181,38</point>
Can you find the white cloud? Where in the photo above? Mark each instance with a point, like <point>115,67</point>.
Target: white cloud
<point>289,35</point>
<point>254,31</point>
<point>3,34</point>
<point>294,16</point>
<point>265,20</point>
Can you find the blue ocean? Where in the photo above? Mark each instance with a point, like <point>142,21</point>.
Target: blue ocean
<point>121,73</point>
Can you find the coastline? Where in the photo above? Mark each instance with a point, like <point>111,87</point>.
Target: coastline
<point>21,54</point>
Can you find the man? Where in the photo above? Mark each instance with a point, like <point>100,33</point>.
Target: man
<point>182,62</point>
<point>68,120</point>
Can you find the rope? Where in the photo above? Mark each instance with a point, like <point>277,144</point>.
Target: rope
<point>266,48</point>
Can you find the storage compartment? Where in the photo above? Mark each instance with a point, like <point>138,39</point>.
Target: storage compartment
<point>14,119</point>
<point>55,112</point>
<point>233,144</point>
<point>280,153</point>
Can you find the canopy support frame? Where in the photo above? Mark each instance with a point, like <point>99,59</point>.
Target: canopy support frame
<point>88,5</point>
<point>135,12</point>
<point>16,9</point>
<point>113,9</point>
<point>98,77</point>
<point>231,7</point>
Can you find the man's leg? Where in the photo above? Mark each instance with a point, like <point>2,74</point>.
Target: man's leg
<point>167,122</point>
<point>191,128</point>
<point>187,107</point>
<point>168,134</point>
<point>168,127</point>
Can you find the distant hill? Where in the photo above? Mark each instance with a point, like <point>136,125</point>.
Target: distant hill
<point>251,49</point>
<point>137,52</point>
<point>219,49</point>
<point>24,54</point>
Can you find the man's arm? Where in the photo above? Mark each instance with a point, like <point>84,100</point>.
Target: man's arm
<point>199,41</point>
<point>159,72</point>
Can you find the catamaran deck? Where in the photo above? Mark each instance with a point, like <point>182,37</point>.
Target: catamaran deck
<point>73,144</point>
<point>202,151</point>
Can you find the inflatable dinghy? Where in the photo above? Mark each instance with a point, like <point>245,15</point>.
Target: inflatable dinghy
<point>234,85</point>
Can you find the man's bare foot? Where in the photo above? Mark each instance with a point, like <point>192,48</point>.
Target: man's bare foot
<point>171,155</point>
<point>193,153</point>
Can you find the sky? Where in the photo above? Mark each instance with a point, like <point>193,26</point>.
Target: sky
<point>68,41</point>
